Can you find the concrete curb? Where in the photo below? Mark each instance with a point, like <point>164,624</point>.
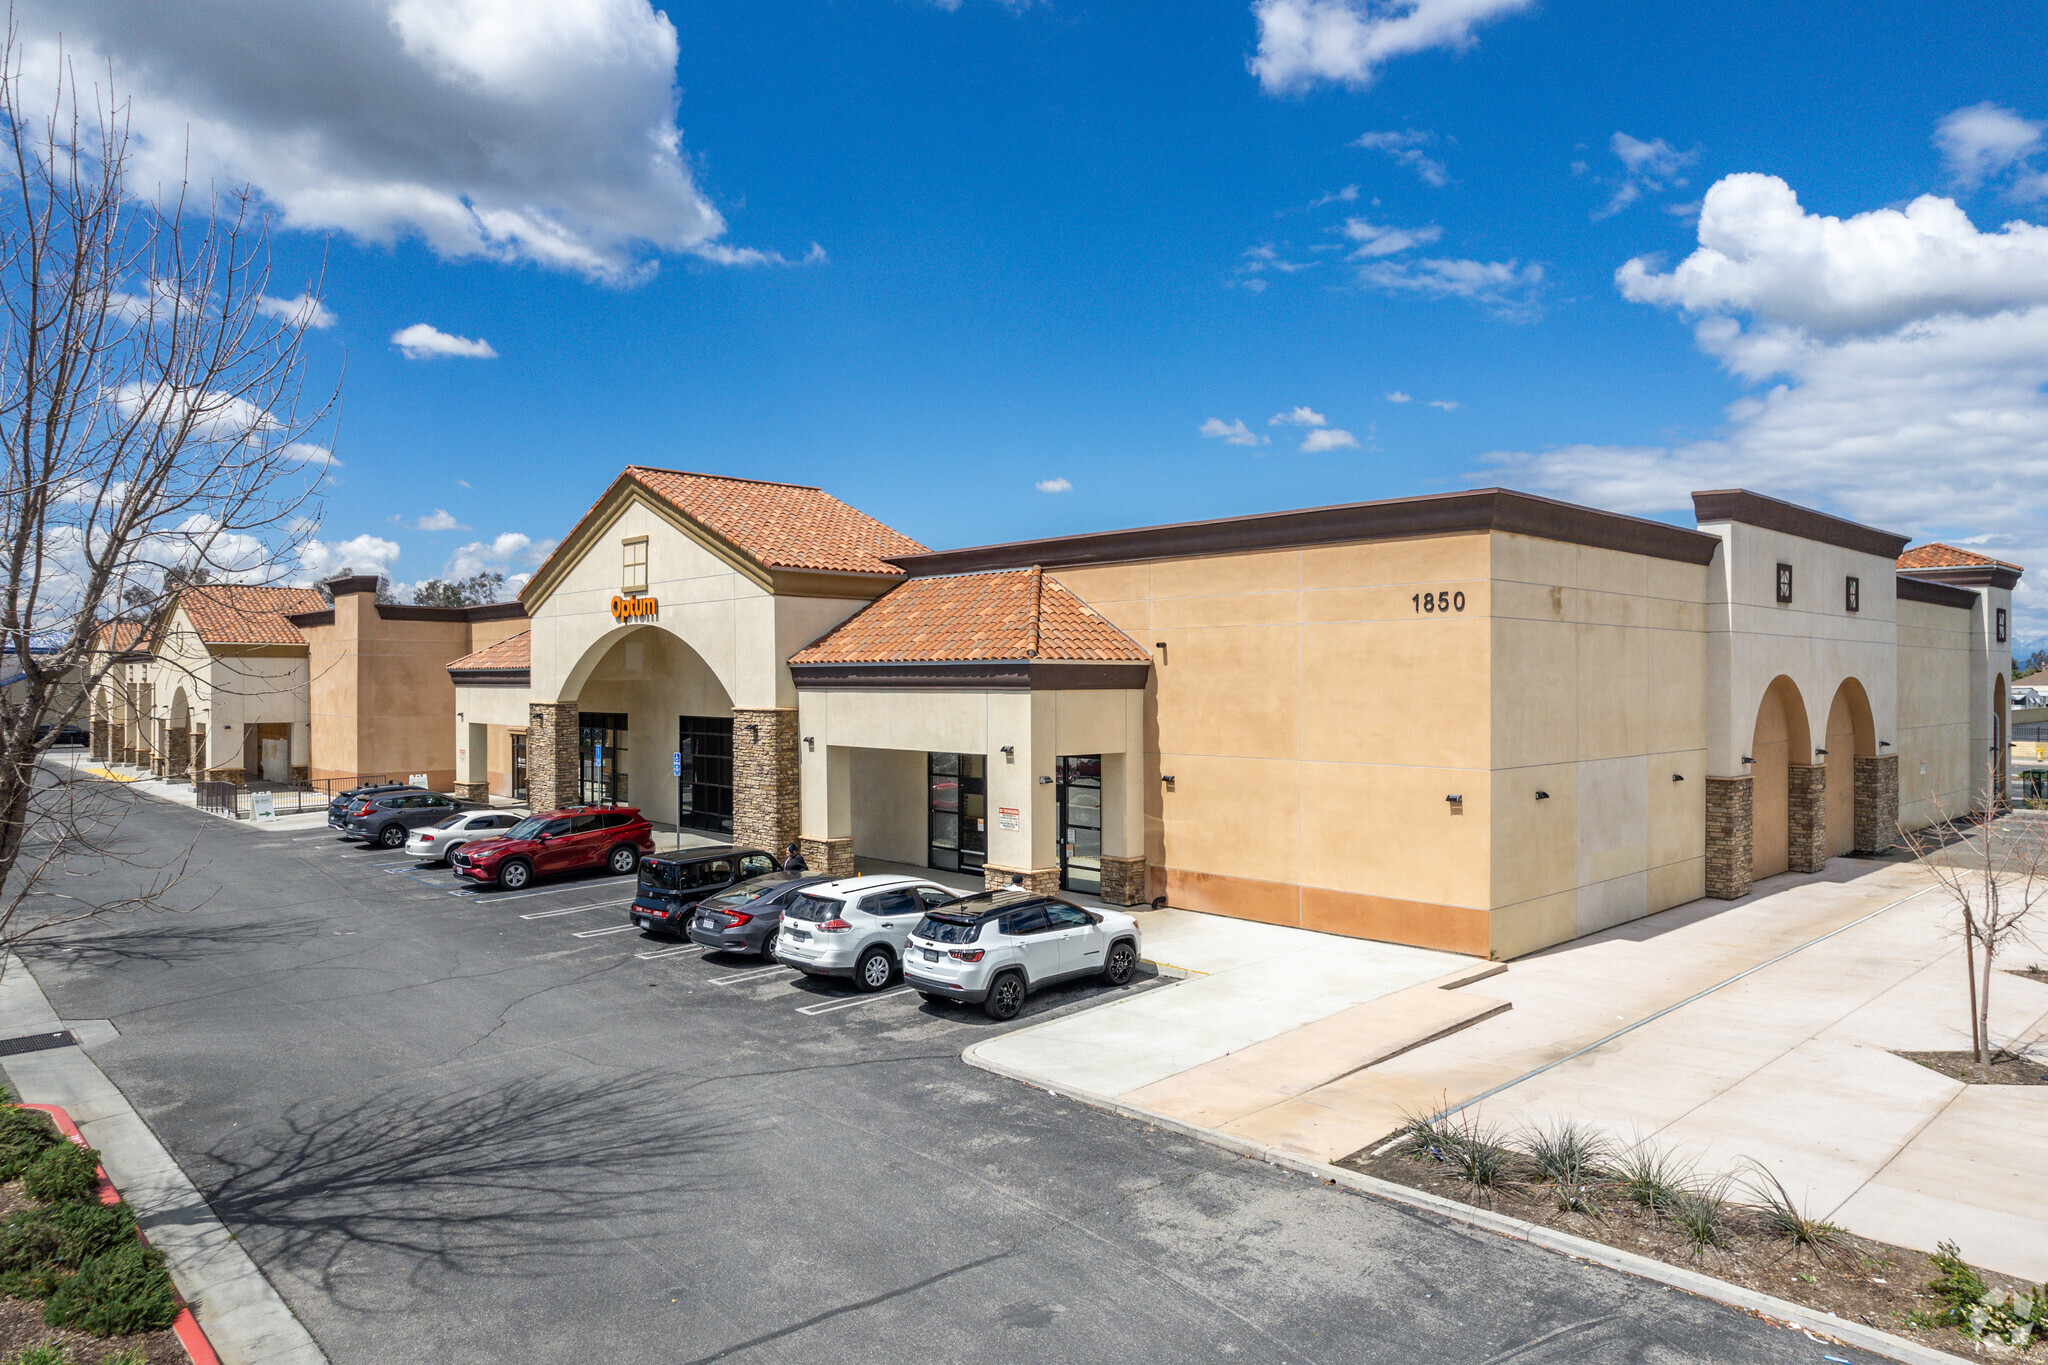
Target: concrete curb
<point>186,1327</point>
<point>245,1319</point>
<point>1810,1320</point>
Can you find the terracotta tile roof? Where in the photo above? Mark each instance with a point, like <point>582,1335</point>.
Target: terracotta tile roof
<point>116,636</point>
<point>780,525</point>
<point>514,651</point>
<point>1935,555</point>
<point>1009,614</point>
<point>242,614</point>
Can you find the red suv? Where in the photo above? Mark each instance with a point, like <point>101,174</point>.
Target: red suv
<point>569,840</point>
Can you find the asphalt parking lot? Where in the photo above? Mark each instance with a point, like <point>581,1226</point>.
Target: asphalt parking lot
<point>474,1126</point>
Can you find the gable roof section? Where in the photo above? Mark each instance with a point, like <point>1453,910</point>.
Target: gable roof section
<point>117,637</point>
<point>244,614</point>
<point>1012,614</point>
<point>512,652</point>
<point>768,525</point>
<point>1953,564</point>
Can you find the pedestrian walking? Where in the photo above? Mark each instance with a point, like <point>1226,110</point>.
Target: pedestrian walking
<point>795,861</point>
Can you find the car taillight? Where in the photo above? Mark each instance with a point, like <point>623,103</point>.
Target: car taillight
<point>968,954</point>
<point>426,838</point>
<point>737,918</point>
<point>364,811</point>
<point>834,926</point>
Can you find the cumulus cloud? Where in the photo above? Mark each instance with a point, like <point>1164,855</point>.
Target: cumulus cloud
<point>1986,143</point>
<point>305,310</point>
<point>501,554</point>
<point>1328,438</point>
<point>1298,417</point>
<point>1234,433</point>
<point>1396,396</point>
<point>488,129</point>
<point>1406,149</point>
<point>422,341</point>
<point>307,453</point>
<point>1054,486</point>
<point>364,554</point>
<point>1307,42</point>
<point>438,520</point>
<point>1898,367</point>
<point>1761,253</point>
<point>1646,168</point>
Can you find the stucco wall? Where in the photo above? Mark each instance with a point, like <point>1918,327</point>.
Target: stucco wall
<point>1937,720</point>
<point>891,798</point>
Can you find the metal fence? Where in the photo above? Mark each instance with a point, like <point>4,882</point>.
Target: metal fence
<point>218,797</point>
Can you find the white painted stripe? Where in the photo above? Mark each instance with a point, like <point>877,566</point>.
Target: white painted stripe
<point>831,1005</point>
<point>609,929</point>
<point>573,909</point>
<point>688,951</point>
<point>738,977</point>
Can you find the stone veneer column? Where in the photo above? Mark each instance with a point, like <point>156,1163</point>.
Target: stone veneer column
<point>1123,880</point>
<point>473,791</point>
<point>1731,837</point>
<point>765,784</point>
<point>117,743</point>
<point>1044,880</point>
<point>99,738</point>
<point>552,750</point>
<point>1808,839</point>
<point>826,857</point>
<point>1877,802</point>
<point>179,760</point>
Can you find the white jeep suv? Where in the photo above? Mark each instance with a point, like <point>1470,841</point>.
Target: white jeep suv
<point>995,947</point>
<point>855,927</point>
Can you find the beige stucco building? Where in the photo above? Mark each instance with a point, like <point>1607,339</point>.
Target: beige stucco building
<point>1479,721</point>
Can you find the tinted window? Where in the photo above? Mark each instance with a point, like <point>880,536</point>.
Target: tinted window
<point>729,900</point>
<point>1032,921</point>
<point>948,929</point>
<point>1067,916</point>
<point>657,876</point>
<point>616,819</point>
<point>486,822</point>
<point>579,824</point>
<point>756,865</point>
<point>815,909</point>
<point>891,903</point>
<point>555,828</point>
<point>715,873</point>
<point>932,896</point>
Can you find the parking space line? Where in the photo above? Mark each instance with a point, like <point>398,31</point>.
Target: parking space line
<point>831,1005</point>
<point>738,977</point>
<point>572,909</point>
<point>608,929</point>
<point>476,893</point>
<point>685,950</point>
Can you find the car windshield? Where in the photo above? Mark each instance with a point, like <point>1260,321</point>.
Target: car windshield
<point>731,900</point>
<point>815,909</point>
<point>656,875</point>
<point>947,929</point>
<point>529,828</point>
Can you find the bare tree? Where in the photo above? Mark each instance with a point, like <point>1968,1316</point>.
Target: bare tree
<point>152,431</point>
<point>1992,866</point>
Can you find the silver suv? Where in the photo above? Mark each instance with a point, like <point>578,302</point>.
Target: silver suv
<point>996,947</point>
<point>855,927</point>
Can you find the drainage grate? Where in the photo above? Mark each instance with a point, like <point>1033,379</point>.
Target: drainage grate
<point>36,1042</point>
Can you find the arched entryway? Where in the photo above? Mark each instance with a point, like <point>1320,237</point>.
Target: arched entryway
<point>1781,740</point>
<point>1851,733</point>
<point>644,703</point>
<point>178,742</point>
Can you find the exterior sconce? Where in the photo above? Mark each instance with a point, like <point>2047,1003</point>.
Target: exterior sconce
<point>1747,759</point>
<point>754,733</point>
<point>1542,796</point>
<point>1043,781</point>
<point>1455,800</point>
<point>1822,752</point>
<point>1678,777</point>
<point>1884,744</point>
<point>1009,753</point>
<point>1160,645</point>
<point>1167,778</point>
<point>811,743</point>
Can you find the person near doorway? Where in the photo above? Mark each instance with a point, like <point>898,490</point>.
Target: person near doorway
<point>1016,879</point>
<point>795,861</point>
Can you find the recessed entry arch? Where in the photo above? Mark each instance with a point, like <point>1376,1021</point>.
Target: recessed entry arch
<point>1851,733</point>
<point>647,703</point>
<point>1781,738</point>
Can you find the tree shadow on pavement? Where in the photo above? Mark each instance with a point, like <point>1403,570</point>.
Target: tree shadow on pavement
<point>168,942</point>
<point>493,1184</point>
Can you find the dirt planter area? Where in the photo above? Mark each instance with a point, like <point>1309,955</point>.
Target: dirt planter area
<point>1890,1288</point>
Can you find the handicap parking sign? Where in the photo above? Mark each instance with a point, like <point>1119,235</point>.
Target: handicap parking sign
<point>676,769</point>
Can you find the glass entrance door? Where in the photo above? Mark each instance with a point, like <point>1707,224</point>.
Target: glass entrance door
<point>704,787</point>
<point>519,767</point>
<point>601,757</point>
<point>958,812</point>
<point>1080,796</point>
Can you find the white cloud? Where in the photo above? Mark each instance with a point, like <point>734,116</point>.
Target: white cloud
<point>1646,168</point>
<point>1760,253</point>
<point>1396,396</point>
<point>438,520</point>
<point>305,308</point>
<point>1303,42</point>
<point>1232,433</point>
<point>1328,438</point>
<point>424,342</point>
<point>1508,288</point>
<point>1406,149</point>
<point>1375,240</point>
<point>364,554</point>
<point>1984,143</point>
<point>1054,486</point>
<point>500,554</point>
<point>486,128</point>
<point>462,483</point>
<point>1298,417</point>
<point>1447,404</point>
<point>305,452</point>
<point>1347,195</point>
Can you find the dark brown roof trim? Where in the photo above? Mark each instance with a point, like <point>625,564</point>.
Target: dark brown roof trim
<point>354,583</point>
<point>976,675</point>
<point>405,611</point>
<point>497,611</point>
<point>1913,589</point>
<point>311,618</point>
<point>1972,575</point>
<point>1754,509</point>
<point>1483,509</point>
<point>491,677</point>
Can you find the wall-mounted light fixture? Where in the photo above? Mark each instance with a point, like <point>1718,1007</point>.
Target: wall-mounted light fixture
<point>1455,799</point>
<point>811,743</point>
<point>1009,753</point>
<point>1160,645</point>
<point>1884,744</point>
<point>1747,759</point>
<point>1822,752</point>
<point>1678,777</point>
<point>1542,796</point>
<point>1167,778</point>
<point>1043,780</point>
<point>754,733</point>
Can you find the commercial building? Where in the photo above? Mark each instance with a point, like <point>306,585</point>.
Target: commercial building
<point>1481,721</point>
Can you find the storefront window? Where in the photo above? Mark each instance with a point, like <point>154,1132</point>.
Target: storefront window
<point>704,788</point>
<point>602,757</point>
<point>958,812</point>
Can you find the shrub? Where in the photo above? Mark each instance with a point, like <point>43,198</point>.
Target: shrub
<point>1783,1215</point>
<point>39,1245</point>
<point>1568,1152</point>
<point>24,1135</point>
<point>1479,1152</point>
<point>2013,1317</point>
<point>64,1171</point>
<point>1647,1176</point>
<point>46,1353</point>
<point>1423,1136</point>
<point>116,1292</point>
<point>1700,1209</point>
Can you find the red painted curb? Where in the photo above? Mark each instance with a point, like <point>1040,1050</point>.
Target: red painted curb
<point>190,1335</point>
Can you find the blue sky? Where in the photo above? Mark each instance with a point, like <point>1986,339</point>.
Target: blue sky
<point>934,257</point>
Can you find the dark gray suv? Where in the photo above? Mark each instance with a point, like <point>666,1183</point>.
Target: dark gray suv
<point>386,820</point>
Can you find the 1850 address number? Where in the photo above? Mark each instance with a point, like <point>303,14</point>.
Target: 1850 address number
<point>1433,602</point>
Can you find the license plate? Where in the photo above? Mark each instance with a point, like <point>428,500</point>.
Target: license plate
<point>796,934</point>
<point>704,922</point>
<point>643,921</point>
<point>930,955</point>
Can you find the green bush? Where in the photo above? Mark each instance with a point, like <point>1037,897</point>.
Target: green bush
<point>114,1293</point>
<point>2012,1317</point>
<point>64,1171</point>
<point>39,1246</point>
<point>24,1135</point>
<point>47,1353</point>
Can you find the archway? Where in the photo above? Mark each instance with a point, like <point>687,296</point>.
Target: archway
<point>1851,733</point>
<point>643,697</point>
<point>1781,739</point>
<point>178,756</point>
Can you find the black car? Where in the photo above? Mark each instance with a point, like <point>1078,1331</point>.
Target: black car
<point>672,884</point>
<point>386,820</point>
<point>67,733</point>
<point>747,918</point>
<point>344,802</point>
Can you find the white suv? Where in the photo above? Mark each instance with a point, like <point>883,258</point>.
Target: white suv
<point>855,927</point>
<point>997,946</point>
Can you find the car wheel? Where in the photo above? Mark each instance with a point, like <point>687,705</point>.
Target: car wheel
<point>391,836</point>
<point>623,859</point>
<point>768,944</point>
<point>874,969</point>
<point>516,873</point>
<point>1005,997</point>
<point>1122,961</point>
